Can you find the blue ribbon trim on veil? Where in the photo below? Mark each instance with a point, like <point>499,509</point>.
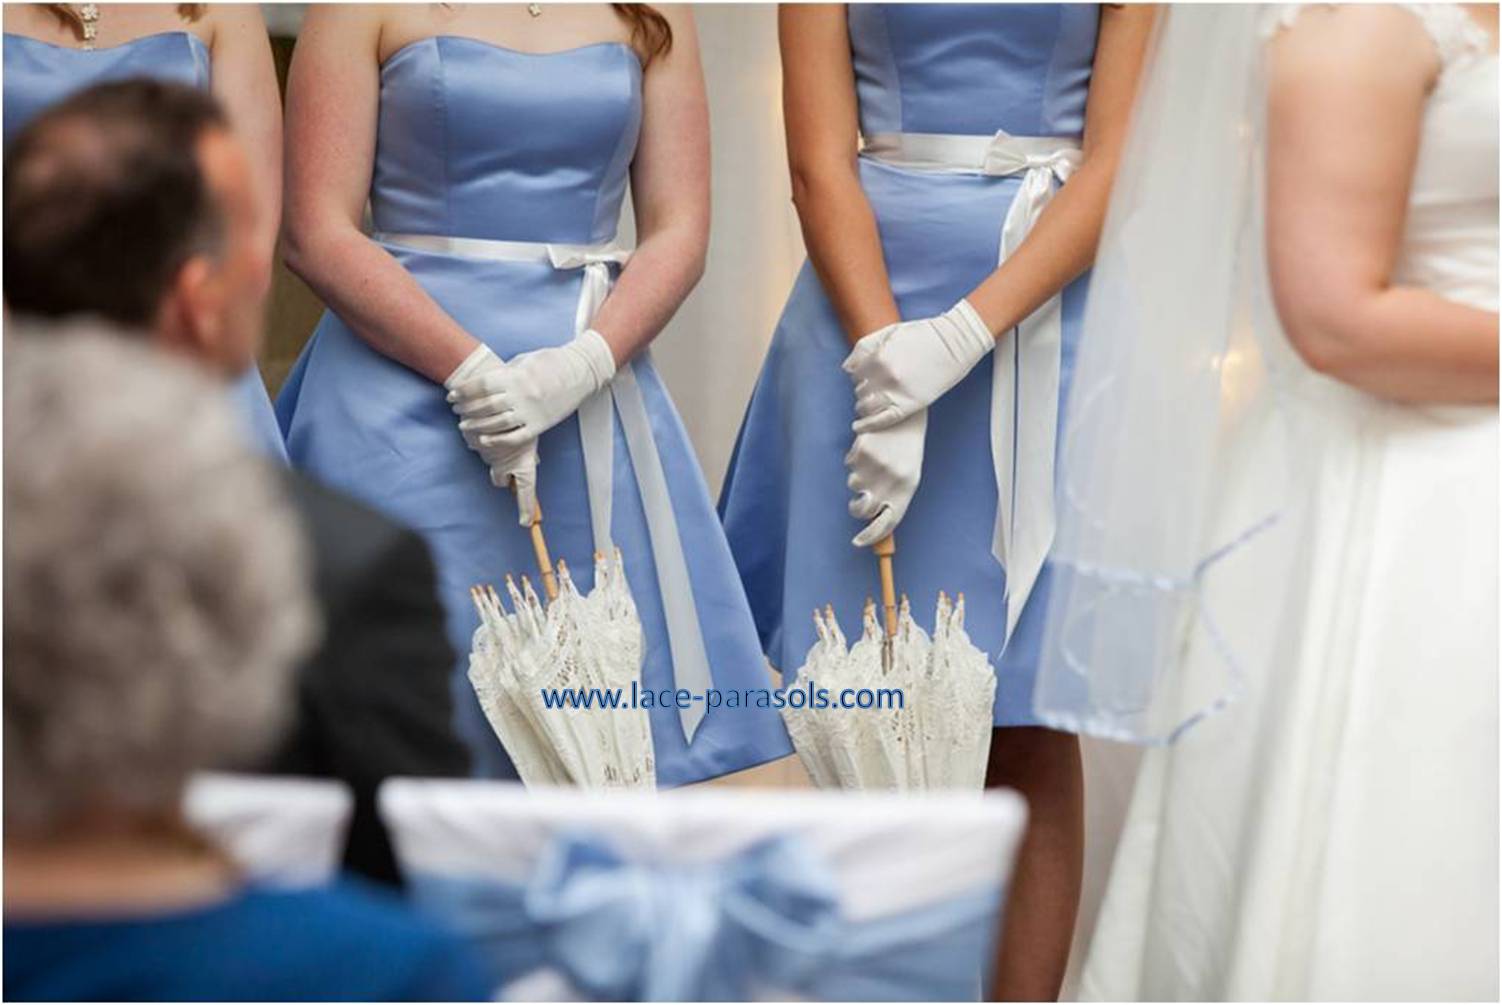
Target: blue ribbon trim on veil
<point>766,919</point>
<point>1187,590</point>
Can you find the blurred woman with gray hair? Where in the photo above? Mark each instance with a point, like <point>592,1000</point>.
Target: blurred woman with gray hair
<point>156,601</point>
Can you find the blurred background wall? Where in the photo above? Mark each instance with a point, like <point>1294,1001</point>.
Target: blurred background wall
<point>711,352</point>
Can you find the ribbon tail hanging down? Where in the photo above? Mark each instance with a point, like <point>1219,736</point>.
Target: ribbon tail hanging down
<point>1025,387</point>
<point>596,428</point>
<point>685,639</point>
<point>623,398</point>
<point>1027,379</point>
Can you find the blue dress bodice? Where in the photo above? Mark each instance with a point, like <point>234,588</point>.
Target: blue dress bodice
<point>973,68</point>
<point>477,140</point>
<point>39,74</point>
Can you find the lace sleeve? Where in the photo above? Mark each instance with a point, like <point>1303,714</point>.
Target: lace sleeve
<point>1455,33</point>
<point>1276,17</point>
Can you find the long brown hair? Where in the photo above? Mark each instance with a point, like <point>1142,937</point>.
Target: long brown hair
<point>651,35</point>
<point>68,16</point>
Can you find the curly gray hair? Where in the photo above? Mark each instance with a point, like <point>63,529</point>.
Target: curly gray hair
<point>157,596</point>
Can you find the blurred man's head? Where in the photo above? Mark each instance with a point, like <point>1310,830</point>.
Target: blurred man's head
<point>133,202</point>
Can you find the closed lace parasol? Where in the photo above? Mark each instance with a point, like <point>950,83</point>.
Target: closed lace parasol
<point>939,736</point>
<point>577,648</point>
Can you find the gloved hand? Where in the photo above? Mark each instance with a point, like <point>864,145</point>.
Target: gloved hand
<point>515,403</point>
<point>900,370</point>
<point>517,468</point>
<point>885,466</point>
<point>509,466</point>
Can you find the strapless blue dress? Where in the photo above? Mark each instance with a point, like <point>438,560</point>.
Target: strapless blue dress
<point>482,142</point>
<point>39,74</point>
<point>967,69</point>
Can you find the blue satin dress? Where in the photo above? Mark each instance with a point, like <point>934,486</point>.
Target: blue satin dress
<point>479,141</point>
<point>968,69</point>
<point>39,74</point>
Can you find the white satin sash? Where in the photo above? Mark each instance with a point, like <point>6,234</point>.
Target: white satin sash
<point>622,397</point>
<point>1026,370</point>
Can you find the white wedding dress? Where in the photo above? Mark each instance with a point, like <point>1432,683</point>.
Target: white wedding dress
<point>1334,833</point>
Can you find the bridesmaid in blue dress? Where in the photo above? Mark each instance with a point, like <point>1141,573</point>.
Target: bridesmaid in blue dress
<point>953,221</point>
<point>494,145</point>
<point>53,50</point>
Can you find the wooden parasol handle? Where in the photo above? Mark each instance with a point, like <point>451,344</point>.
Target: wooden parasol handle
<point>540,548</point>
<point>885,549</point>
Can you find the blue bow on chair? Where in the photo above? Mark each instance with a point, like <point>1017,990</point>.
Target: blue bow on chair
<point>767,919</point>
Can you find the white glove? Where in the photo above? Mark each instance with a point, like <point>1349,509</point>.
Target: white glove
<point>515,466</point>
<point>515,403</point>
<point>885,466</point>
<point>901,370</point>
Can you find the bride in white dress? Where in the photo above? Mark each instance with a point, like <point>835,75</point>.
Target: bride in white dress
<point>1319,818</point>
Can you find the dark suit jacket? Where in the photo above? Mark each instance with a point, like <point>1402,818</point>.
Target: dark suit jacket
<point>374,701</point>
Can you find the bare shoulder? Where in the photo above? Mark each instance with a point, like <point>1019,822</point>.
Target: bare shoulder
<point>680,16</point>
<point>221,21</point>
<point>1354,42</point>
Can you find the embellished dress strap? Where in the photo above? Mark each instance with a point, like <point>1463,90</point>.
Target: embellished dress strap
<point>1455,34</point>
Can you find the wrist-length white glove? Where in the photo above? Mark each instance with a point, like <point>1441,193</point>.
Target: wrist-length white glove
<point>513,466</point>
<point>516,403</point>
<point>885,467</point>
<point>901,370</point>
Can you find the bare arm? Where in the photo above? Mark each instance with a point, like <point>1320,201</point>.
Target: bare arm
<point>1345,105</point>
<point>244,81</point>
<point>819,105</point>
<point>670,194</point>
<point>333,97</point>
<point>1062,243</point>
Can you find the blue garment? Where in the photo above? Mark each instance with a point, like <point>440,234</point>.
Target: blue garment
<point>968,69</point>
<point>39,74</point>
<point>479,141</point>
<point>345,943</point>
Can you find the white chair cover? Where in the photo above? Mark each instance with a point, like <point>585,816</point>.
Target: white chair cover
<point>887,859</point>
<point>281,831</point>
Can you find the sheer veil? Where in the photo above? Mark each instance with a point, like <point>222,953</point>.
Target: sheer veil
<point>1176,461</point>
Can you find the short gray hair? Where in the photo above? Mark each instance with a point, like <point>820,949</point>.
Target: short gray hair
<point>157,594</point>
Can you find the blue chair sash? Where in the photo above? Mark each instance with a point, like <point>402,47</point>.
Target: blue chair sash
<point>766,919</point>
